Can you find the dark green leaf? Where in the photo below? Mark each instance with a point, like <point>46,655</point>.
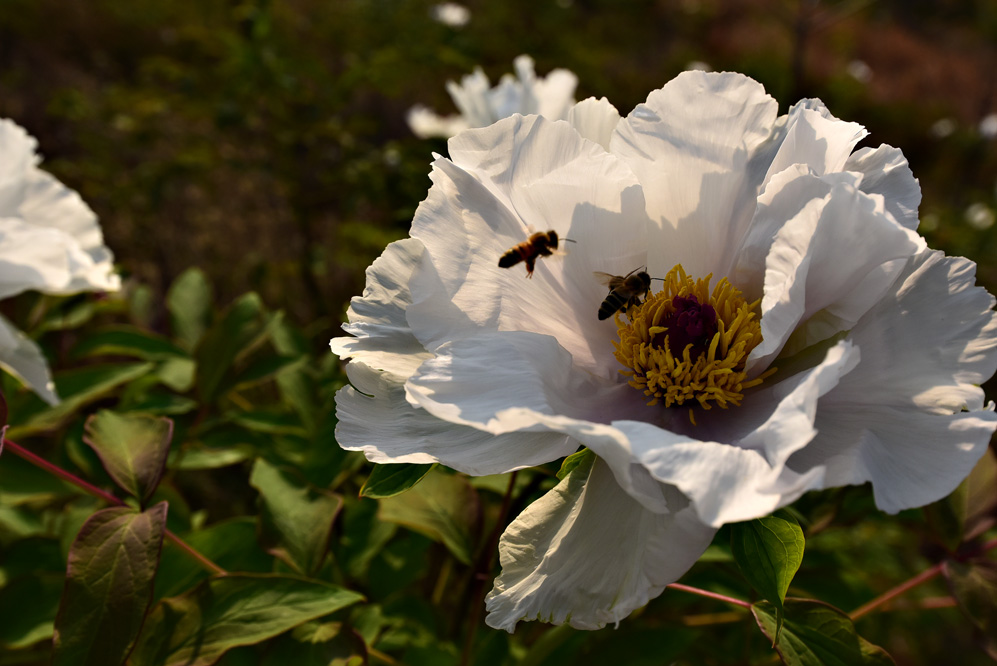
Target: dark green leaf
<point>177,373</point>
<point>197,628</point>
<point>76,388</point>
<point>132,448</point>
<point>974,585</point>
<point>128,341</point>
<point>108,586</point>
<point>259,370</point>
<point>363,536</point>
<point>769,552</point>
<point>189,301</point>
<point>318,644</point>
<point>573,461</point>
<point>295,517</point>
<point>28,605</point>
<point>273,423</point>
<point>237,331</point>
<point>816,634</point>
<point>199,456</point>
<point>444,507</point>
<point>391,480</point>
<point>231,544</point>
<point>163,403</point>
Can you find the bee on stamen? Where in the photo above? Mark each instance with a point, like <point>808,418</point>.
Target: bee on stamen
<point>624,291</point>
<point>540,244</point>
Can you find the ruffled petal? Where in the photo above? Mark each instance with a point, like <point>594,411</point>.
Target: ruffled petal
<point>383,339</point>
<point>815,139</point>
<point>588,555</point>
<point>520,175</point>
<point>21,357</point>
<point>595,119</point>
<point>694,145</point>
<point>827,265</point>
<point>897,420</point>
<point>885,171</point>
<point>375,418</point>
<point>427,124</point>
<point>471,98</point>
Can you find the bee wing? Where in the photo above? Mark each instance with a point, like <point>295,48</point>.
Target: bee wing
<point>611,281</point>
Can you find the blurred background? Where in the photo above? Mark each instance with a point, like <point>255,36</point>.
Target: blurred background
<point>265,142</point>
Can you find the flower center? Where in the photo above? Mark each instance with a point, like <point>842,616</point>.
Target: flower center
<point>688,344</point>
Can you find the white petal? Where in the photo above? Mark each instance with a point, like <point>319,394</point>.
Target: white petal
<point>520,175</point>
<point>471,98</point>
<point>885,171</point>
<point>383,339</point>
<point>693,146</point>
<point>587,554</point>
<point>21,357</point>
<point>426,124</point>
<point>744,474</point>
<point>19,157</point>
<point>595,119</point>
<point>816,139</point>
<point>387,429</point>
<point>828,265</point>
<point>897,420</point>
<point>555,94</point>
<point>39,258</point>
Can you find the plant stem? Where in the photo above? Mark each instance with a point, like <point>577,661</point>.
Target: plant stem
<point>911,583</point>
<point>38,461</point>
<point>711,595</point>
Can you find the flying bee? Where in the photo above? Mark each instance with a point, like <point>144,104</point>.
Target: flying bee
<point>540,244</point>
<point>624,291</point>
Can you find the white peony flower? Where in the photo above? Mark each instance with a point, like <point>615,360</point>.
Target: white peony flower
<point>481,105</point>
<point>451,14</point>
<point>804,336</point>
<point>49,242</point>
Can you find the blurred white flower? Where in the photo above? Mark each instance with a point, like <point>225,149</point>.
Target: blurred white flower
<point>804,336</point>
<point>49,242</point>
<point>942,128</point>
<point>481,105</point>
<point>988,126</point>
<point>860,71</point>
<point>929,222</point>
<point>979,216</point>
<point>451,14</point>
<point>698,66</point>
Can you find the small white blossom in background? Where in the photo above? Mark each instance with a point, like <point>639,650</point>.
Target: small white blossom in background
<point>979,216</point>
<point>942,128</point>
<point>480,104</point>
<point>698,66</point>
<point>803,335</point>
<point>988,126</point>
<point>860,71</point>
<point>451,14</point>
<point>49,242</point>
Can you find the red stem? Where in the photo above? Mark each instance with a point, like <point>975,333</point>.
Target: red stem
<point>38,461</point>
<point>711,595</point>
<point>911,583</point>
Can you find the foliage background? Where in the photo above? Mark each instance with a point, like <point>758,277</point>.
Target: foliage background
<point>264,142</point>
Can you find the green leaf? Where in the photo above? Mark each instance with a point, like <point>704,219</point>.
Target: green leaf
<point>390,480</point>
<point>132,448</point>
<point>239,329</point>
<point>128,341</point>
<point>259,370</point>
<point>162,403</point>
<point>189,301</point>
<point>573,461</point>
<point>974,585</point>
<point>196,455</point>
<point>318,644</point>
<point>28,605</point>
<point>816,634</point>
<point>297,518</point>
<point>76,388</point>
<point>444,507</point>
<point>231,544</point>
<point>769,552</point>
<point>273,423</point>
<point>108,586</point>
<point>197,628</point>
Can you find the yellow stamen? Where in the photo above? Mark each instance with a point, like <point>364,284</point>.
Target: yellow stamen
<point>715,376</point>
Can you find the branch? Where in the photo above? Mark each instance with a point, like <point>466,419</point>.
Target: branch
<point>38,461</point>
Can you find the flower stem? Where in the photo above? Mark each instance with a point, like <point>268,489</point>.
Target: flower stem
<point>911,583</point>
<point>711,595</point>
<point>38,461</point>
